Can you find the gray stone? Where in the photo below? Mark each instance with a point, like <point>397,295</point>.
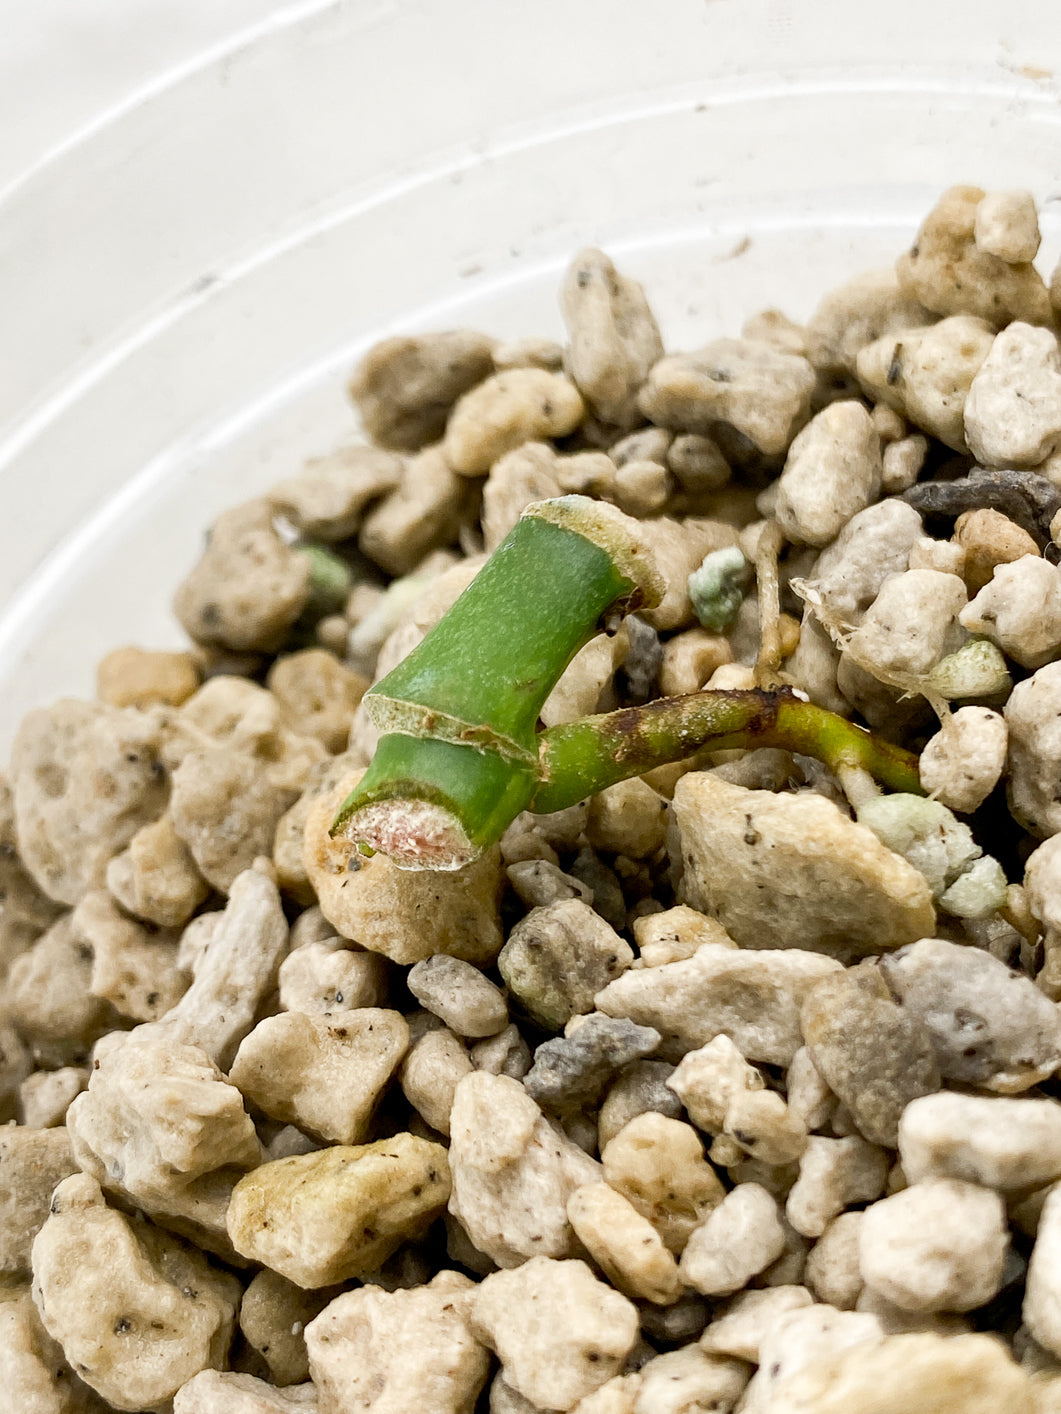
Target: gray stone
<point>558,957</point>
<point>989,1025</point>
<point>873,1055</point>
<point>573,1070</point>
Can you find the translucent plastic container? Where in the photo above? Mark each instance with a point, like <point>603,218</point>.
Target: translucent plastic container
<point>207,211</point>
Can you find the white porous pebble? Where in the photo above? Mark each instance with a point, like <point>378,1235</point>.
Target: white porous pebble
<point>156,1121</point>
<point>44,1097</point>
<point>748,1317</point>
<point>467,1002</point>
<point>809,1097</point>
<point>32,1162</point>
<point>901,463</point>
<point>324,1074</point>
<point>505,410</point>
<point>874,544</point>
<point>435,1066</point>
<point>1013,409</point>
<point>1007,225</point>
<point>138,1313</point>
<point>833,471</point>
<point>658,1164</point>
<point>1020,610</point>
<point>800,1337</point>
<point>328,976</point>
<point>1042,1301</point>
<point>763,393</point>
<point>614,339</point>
<point>222,1392</point>
<point>998,1142</point>
<point>513,1172</point>
<point>395,1351</point>
<point>833,1272</point>
<point>624,1244</point>
<point>856,313</point>
<point>926,373</point>
<point>822,882</point>
<point>833,1175</point>
<point>911,624</point>
<point>558,1331</point>
<point>961,765</point>
<point>708,1080</point>
<point>753,997</point>
<point>688,1380</point>
<point>739,1239</point>
<point>1033,716</point>
<point>990,1026</point>
<point>235,970</point>
<point>939,1245</point>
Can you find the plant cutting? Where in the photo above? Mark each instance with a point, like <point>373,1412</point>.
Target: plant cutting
<point>461,752</point>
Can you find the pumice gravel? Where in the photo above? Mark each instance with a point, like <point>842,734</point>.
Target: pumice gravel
<point>736,1086</point>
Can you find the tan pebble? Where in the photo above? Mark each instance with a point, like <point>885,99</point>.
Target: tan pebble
<point>328,497</point>
<point>225,1392</point>
<point>658,1165</point>
<point>1020,610</point>
<point>226,811</point>
<point>558,1331</point>
<point>739,1328</point>
<point>273,1316</point>
<point>317,694</point>
<point>326,1073</point>
<point>33,1162</point>
<point>432,1070</point>
<point>517,480</point>
<point>132,968</point>
<point>832,471</point>
<point>989,539</point>
<point>1007,225</point>
<point>423,513</point>
<point>44,1097</point>
<point>1013,409</point>
<point>506,409</point>
<point>405,386</point>
<point>340,1212</point>
<point>155,877</point>
<point>739,1239</point>
<point>329,976</point>
<point>147,1311</point>
<point>626,1246</point>
<point>856,313</point>
<point>680,1380</point>
<point>395,1351</point>
<point>137,677</point>
<point>833,1271</point>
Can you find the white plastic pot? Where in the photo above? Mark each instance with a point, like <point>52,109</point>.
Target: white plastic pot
<point>208,208</point>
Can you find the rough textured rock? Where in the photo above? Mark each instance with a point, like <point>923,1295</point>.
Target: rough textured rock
<point>990,1026</point>
<point>961,765</point>
<point>624,1244</point>
<point>404,387</point>
<point>689,1380</point>
<point>874,544</point>
<point>32,1163</point>
<point>85,777</point>
<point>753,997</point>
<point>137,1313</point>
<point>505,410</point>
<point>466,1001</point>
<point>741,1325</point>
<point>273,1316</point>
<point>1013,411</point>
<point>222,1392</point>
<point>572,1071</point>
<point>558,1331</point>
<point>800,1337</point>
<point>513,1172</point>
<point>155,877</point>
<point>873,1055</point>
<point>738,1240</point>
<point>328,497</point>
<point>1033,716</point>
<point>658,1164</point>
<point>793,871</point>
<point>340,1212</point>
<point>939,1245</point>
<point>1020,610</point>
<point>325,1074</point>
<point>395,1351</point>
<point>834,1174</point>
<point>559,957</point>
<point>833,1272</point>
<point>997,1142</point>
<point>1042,1299</point>
<point>833,471</point>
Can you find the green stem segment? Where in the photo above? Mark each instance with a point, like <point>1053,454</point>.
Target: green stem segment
<point>580,758</point>
<point>458,759</point>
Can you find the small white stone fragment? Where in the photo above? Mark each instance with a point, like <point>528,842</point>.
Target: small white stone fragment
<point>32,1162</point>
<point>998,1142</point>
<point>1013,408</point>
<point>558,1331</point>
<point>325,1074</point>
<point>961,765</point>
<point>513,1172</point>
<point>1020,611</point>
<point>658,1164</point>
<point>689,1380</point>
<point>44,1097</point>
<point>467,1002</point>
<point>739,1239</point>
<point>955,1374</point>
<point>832,472</point>
<point>395,1351</point>
<point>1007,225</point>
<point>236,969</point>
<point>1042,1299</point>
<point>749,1317</point>
<point>751,996</point>
<point>854,314</point>
<point>709,1079</point>
<point>222,1392</point>
<point>873,545</point>
<point>624,1244</point>
<point>435,1066</point>
<point>833,1272</point>
<point>800,1337</point>
<point>912,623</point>
<point>505,410</point>
<point>327,975</point>
<point>1033,716</point>
<point>834,1174</point>
<point>821,882</point>
<point>146,1311</point>
<point>809,1097</point>
<point>939,1245</point>
<point>901,463</point>
<point>675,934</point>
